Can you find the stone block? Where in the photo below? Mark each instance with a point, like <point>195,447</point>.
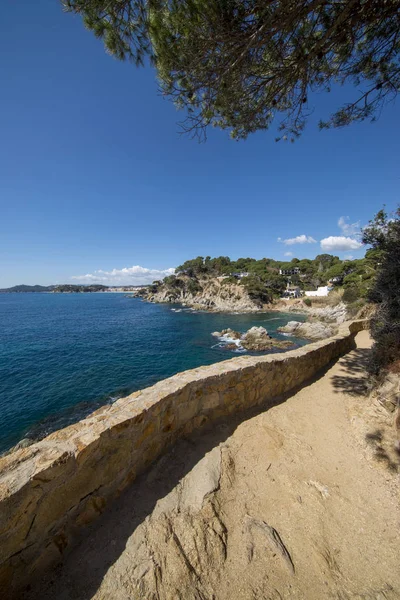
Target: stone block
<point>210,401</point>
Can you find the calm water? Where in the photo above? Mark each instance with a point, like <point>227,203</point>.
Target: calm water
<point>62,355</point>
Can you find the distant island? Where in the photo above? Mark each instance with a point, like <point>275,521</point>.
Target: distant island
<point>28,288</point>
<point>67,288</point>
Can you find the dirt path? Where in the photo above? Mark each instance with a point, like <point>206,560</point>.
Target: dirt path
<point>289,503</point>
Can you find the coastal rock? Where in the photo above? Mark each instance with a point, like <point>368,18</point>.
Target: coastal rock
<point>331,314</point>
<point>24,443</point>
<point>290,327</point>
<point>212,295</point>
<point>231,346</point>
<point>229,333</point>
<point>310,331</point>
<point>257,339</point>
<point>256,333</point>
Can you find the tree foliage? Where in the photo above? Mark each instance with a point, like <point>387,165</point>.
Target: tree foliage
<point>123,25</point>
<point>239,64</point>
<point>257,290</point>
<point>264,282</point>
<point>383,234</point>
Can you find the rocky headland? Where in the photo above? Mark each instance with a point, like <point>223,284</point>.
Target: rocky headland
<point>209,293</point>
<point>217,294</point>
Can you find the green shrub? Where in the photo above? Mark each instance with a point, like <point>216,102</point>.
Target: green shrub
<point>173,281</point>
<point>351,294</point>
<point>256,290</point>
<point>307,301</point>
<point>383,234</point>
<point>193,287</point>
<point>353,308</point>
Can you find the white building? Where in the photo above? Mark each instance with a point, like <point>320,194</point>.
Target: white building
<point>292,292</point>
<point>321,291</point>
<point>292,271</point>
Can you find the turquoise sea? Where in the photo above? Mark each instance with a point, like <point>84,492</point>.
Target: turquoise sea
<point>63,355</point>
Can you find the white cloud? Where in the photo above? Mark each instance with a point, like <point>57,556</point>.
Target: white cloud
<point>288,254</point>
<point>339,243</point>
<point>300,239</point>
<point>349,228</point>
<point>135,275</point>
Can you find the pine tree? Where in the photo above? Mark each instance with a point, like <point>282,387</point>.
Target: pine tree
<point>383,234</point>
<point>239,64</point>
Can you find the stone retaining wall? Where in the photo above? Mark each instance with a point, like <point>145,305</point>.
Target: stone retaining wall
<point>52,489</point>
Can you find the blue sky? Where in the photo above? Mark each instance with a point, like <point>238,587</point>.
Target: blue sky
<point>95,178</point>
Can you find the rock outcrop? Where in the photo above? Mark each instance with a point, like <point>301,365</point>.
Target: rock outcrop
<point>257,339</point>
<point>228,333</point>
<point>329,314</point>
<point>210,294</point>
<point>309,330</point>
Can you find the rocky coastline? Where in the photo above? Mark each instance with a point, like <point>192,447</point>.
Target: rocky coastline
<point>209,294</point>
<point>309,330</point>
<point>215,296</point>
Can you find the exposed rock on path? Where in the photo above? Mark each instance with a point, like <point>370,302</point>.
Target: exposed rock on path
<point>285,504</point>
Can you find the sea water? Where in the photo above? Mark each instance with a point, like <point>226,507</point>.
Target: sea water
<point>63,355</point>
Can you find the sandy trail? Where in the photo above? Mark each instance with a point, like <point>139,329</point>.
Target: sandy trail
<point>287,503</point>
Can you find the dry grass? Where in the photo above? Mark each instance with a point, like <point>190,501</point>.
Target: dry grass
<point>334,297</point>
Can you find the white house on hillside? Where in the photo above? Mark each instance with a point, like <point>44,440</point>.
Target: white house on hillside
<point>292,271</point>
<point>292,292</point>
<point>321,291</point>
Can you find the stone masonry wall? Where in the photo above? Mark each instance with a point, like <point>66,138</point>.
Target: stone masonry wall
<point>52,489</point>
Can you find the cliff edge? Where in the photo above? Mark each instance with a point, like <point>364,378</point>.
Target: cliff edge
<point>207,293</point>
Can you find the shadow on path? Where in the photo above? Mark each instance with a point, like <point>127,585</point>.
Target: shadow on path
<point>354,380</point>
<point>376,439</point>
